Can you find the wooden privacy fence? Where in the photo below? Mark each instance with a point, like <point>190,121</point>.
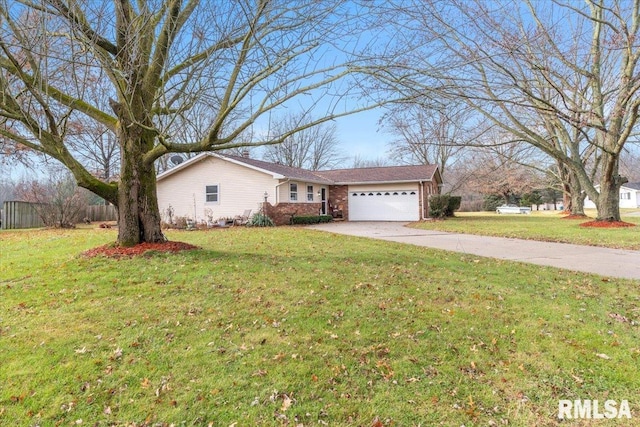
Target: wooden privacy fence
<point>101,213</point>
<point>23,215</point>
<point>19,215</point>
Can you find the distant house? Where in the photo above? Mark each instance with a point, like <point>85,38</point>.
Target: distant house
<point>226,186</point>
<point>629,196</point>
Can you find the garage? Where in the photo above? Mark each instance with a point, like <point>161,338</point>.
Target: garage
<point>383,205</point>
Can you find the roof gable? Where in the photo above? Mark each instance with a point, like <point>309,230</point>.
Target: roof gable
<point>203,156</point>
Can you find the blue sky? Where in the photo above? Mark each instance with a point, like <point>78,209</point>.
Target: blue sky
<point>360,135</point>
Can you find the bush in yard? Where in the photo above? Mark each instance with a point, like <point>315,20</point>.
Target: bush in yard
<point>531,199</point>
<point>453,205</point>
<point>438,206</point>
<point>491,202</point>
<point>260,220</point>
<point>57,200</point>
<point>443,205</point>
<point>311,219</point>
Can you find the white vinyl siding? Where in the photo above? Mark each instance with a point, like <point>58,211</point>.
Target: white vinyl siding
<point>629,199</point>
<point>243,189</point>
<point>296,192</point>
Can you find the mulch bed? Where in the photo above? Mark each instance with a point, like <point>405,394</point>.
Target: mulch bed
<point>607,224</point>
<point>570,216</point>
<point>112,251</point>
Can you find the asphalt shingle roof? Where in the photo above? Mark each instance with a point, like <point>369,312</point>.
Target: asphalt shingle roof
<point>337,176</point>
<point>347,176</point>
<point>288,171</point>
<point>380,174</point>
<point>633,185</point>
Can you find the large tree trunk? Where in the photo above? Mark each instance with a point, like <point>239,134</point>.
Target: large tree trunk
<point>576,194</point>
<point>566,197</point>
<point>577,203</point>
<point>609,198</point>
<point>138,213</point>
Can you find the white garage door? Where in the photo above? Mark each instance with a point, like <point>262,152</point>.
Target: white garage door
<point>387,205</point>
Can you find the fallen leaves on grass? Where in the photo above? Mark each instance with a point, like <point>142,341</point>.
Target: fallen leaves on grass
<point>286,403</point>
<point>112,251</point>
<point>607,224</point>
<point>619,317</point>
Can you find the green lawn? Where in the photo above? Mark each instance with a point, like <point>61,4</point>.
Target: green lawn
<point>545,226</point>
<point>287,326</point>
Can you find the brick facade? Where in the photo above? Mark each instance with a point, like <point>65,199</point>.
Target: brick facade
<point>282,212</point>
<point>339,195</point>
<point>428,189</point>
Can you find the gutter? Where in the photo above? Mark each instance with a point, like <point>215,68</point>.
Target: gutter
<point>409,181</point>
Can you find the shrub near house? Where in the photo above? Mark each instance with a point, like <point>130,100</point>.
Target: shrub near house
<point>441,206</point>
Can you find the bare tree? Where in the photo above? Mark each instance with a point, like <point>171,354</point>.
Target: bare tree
<point>168,67</point>
<point>360,162</point>
<point>90,141</point>
<point>314,148</point>
<point>427,135</point>
<point>7,189</point>
<point>58,200</point>
<point>561,76</point>
<point>504,170</point>
<point>630,162</point>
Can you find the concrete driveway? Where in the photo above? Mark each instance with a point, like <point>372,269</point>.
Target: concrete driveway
<point>617,263</point>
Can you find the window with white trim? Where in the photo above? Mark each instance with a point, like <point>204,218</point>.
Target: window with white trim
<point>309,193</point>
<point>293,191</point>
<point>212,193</point>
<point>625,196</point>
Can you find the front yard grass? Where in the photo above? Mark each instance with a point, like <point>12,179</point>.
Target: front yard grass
<point>289,326</point>
<point>544,226</point>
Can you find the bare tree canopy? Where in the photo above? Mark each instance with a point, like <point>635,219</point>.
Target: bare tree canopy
<point>313,148</point>
<point>359,162</point>
<point>179,77</point>
<point>428,135</point>
<point>562,76</point>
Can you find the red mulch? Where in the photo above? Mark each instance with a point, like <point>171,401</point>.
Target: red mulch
<point>570,216</point>
<point>607,224</point>
<point>112,251</point>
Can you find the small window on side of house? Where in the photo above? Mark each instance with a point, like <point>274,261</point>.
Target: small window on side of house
<point>293,191</point>
<point>309,193</point>
<point>212,193</point>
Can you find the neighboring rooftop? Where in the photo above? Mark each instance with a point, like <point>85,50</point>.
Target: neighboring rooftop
<point>632,185</point>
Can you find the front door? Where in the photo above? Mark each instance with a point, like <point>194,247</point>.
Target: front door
<point>323,201</point>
